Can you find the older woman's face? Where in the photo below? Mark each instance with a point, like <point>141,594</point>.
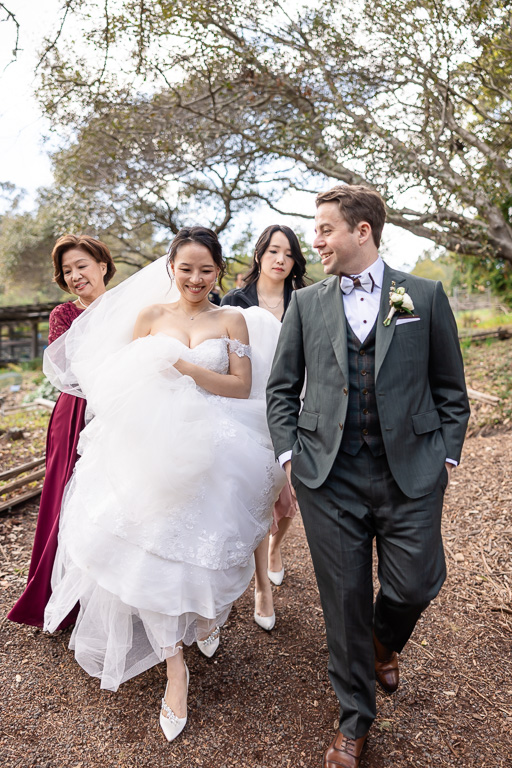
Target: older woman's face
<point>83,274</point>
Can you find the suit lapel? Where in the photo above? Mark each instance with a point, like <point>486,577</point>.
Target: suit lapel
<point>331,302</point>
<point>384,334</point>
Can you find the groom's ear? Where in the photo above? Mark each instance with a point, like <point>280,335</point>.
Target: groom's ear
<point>365,232</point>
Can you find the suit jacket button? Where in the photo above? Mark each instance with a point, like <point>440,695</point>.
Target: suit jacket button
<point>345,391</point>
<point>365,431</point>
<point>340,425</point>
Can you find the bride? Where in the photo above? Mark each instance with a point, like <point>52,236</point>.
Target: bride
<point>176,479</point>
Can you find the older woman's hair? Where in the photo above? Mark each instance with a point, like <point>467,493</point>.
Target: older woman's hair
<point>89,245</point>
<point>201,236</point>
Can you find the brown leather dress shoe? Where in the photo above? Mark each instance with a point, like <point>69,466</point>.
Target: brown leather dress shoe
<point>344,752</point>
<point>386,666</point>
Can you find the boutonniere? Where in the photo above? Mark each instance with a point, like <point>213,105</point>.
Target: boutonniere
<point>399,301</point>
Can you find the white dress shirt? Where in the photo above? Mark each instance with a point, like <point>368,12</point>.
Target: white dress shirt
<point>362,308</point>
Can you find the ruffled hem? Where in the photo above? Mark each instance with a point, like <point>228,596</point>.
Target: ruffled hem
<point>173,492</point>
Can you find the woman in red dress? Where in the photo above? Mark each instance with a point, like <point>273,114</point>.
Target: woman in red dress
<point>83,267</point>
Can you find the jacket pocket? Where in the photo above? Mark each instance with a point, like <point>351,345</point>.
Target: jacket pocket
<point>307,420</point>
<point>426,422</point>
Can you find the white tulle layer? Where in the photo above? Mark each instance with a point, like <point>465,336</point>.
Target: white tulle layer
<point>173,491</point>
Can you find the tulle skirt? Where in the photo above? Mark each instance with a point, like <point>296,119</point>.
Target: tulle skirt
<point>173,492</point>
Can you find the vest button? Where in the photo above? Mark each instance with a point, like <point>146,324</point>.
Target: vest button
<point>363,373</point>
<point>362,352</point>
<point>366,411</point>
<point>340,425</point>
<point>365,391</point>
<point>365,431</point>
<point>345,391</point>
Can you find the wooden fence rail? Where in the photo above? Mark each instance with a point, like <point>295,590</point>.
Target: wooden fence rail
<point>21,482</point>
<point>504,332</point>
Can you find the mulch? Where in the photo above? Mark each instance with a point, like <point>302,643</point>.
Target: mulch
<point>265,700</point>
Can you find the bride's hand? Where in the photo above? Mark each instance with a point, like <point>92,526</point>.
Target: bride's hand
<point>184,367</point>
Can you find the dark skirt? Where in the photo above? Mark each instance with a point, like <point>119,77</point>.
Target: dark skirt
<point>66,423</point>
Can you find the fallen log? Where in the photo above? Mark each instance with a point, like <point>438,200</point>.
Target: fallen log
<point>474,394</point>
<point>37,475</point>
<point>15,500</point>
<point>15,471</point>
<point>502,333</point>
<point>45,403</point>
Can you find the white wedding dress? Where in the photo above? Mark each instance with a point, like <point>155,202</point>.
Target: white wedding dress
<point>172,493</point>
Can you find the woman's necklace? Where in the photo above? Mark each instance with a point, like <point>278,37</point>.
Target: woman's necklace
<point>193,317</point>
<point>79,301</point>
<point>275,306</point>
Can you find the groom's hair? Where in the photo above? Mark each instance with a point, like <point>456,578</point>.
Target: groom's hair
<point>357,203</point>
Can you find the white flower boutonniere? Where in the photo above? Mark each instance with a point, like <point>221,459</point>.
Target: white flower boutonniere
<point>399,301</point>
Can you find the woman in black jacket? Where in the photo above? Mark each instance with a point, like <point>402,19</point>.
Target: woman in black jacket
<point>278,268</point>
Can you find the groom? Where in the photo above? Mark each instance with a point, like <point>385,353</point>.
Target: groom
<point>370,454</point>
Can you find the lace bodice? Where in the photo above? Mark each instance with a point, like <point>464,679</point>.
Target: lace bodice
<point>61,318</point>
<point>214,353</point>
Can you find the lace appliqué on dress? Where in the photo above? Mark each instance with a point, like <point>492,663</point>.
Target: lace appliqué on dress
<point>61,318</point>
<point>242,350</point>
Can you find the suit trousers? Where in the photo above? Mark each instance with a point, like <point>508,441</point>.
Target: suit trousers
<point>358,502</point>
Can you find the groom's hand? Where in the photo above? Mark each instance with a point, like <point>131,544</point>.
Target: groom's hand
<point>287,466</point>
<point>449,468</point>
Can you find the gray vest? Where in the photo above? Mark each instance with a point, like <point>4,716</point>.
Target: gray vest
<point>362,422</point>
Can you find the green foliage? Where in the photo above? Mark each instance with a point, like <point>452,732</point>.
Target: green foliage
<point>483,319</point>
<point>34,419</point>
<point>476,274</point>
<point>31,365</point>
<point>45,390</point>
<point>435,267</point>
<point>26,242</point>
<point>488,369</point>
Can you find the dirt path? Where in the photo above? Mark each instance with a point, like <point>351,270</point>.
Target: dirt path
<point>265,700</point>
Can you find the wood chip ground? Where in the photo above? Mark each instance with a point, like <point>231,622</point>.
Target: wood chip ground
<point>265,701</point>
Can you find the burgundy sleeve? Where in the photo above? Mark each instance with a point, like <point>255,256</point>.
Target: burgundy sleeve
<point>60,320</point>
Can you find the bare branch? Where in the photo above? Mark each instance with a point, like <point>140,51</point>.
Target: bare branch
<point>12,17</point>
<point>52,44</point>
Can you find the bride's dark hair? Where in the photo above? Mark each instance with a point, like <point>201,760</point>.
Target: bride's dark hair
<point>202,236</point>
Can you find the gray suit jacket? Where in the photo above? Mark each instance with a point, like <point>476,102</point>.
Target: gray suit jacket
<point>420,390</point>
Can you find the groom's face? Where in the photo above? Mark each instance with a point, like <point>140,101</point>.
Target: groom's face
<point>339,248</point>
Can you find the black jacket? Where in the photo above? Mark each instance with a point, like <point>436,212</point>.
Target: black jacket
<point>248,297</point>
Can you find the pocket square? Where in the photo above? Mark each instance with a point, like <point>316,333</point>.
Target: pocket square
<point>402,320</point>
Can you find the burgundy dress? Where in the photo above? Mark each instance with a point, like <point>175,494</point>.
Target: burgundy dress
<point>66,423</point>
